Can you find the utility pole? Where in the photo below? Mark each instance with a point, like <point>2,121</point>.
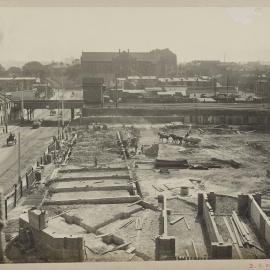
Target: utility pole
<point>215,86</point>
<point>46,91</point>
<point>58,115</point>
<point>5,113</point>
<point>22,105</point>
<point>19,156</point>
<point>116,89</point>
<point>227,86</point>
<point>63,104</point>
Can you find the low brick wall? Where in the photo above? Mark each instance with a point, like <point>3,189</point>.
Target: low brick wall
<point>54,247</point>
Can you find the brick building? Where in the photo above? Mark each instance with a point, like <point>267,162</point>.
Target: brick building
<point>109,65</point>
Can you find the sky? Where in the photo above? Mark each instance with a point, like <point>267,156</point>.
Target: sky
<point>197,33</point>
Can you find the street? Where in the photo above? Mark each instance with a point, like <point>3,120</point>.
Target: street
<point>33,143</point>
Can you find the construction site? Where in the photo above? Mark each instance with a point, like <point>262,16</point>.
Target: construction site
<point>146,192</point>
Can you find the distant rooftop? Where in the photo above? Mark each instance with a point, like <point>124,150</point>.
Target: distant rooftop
<point>109,56</point>
<point>19,78</point>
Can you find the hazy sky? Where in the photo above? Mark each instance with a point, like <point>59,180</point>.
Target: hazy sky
<point>46,34</point>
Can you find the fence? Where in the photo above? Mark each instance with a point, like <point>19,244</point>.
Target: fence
<point>32,174</point>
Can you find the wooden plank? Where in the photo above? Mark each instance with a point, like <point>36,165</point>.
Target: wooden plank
<point>230,230</point>
<point>195,250</point>
<point>239,227</point>
<point>126,224</point>
<point>116,248</point>
<point>257,247</point>
<point>245,227</point>
<point>239,253</point>
<point>131,256</point>
<point>187,223</point>
<point>136,224</point>
<point>236,233</point>
<point>166,187</point>
<point>160,189</point>
<point>176,220</point>
<point>155,188</point>
<point>130,250</point>
<point>102,235</point>
<point>134,203</point>
<point>91,250</point>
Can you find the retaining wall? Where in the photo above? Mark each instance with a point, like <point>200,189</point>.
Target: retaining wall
<point>91,188</point>
<point>53,247</point>
<point>219,248</point>
<point>259,219</point>
<point>104,200</point>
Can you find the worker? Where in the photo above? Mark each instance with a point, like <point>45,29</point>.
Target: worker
<point>96,161</point>
<point>136,147</point>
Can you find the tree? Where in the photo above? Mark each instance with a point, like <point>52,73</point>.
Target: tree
<point>2,71</point>
<point>14,71</point>
<point>34,68</point>
<point>73,72</point>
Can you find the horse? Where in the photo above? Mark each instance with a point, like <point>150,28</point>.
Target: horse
<point>163,136</point>
<point>174,137</point>
<point>179,139</point>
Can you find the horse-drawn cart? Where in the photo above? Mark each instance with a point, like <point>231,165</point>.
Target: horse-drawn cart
<point>11,140</point>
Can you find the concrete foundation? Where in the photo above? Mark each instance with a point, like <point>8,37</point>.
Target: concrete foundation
<point>165,248</point>
<point>243,202</point>
<point>50,246</point>
<point>219,248</point>
<point>165,245</point>
<point>102,200</point>
<point>258,218</point>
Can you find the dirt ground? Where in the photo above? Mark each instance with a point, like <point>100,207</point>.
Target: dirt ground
<point>241,147</point>
<point>250,177</point>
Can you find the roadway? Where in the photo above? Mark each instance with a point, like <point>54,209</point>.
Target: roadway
<point>33,144</point>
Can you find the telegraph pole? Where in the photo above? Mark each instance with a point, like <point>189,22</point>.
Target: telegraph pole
<point>46,91</point>
<point>19,156</point>
<point>5,113</point>
<point>227,86</point>
<point>58,115</point>
<point>22,105</point>
<point>63,103</point>
<point>116,88</point>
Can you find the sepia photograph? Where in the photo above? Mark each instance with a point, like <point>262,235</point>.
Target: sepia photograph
<point>134,134</point>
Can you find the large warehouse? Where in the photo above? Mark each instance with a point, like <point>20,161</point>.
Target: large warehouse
<point>108,65</point>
